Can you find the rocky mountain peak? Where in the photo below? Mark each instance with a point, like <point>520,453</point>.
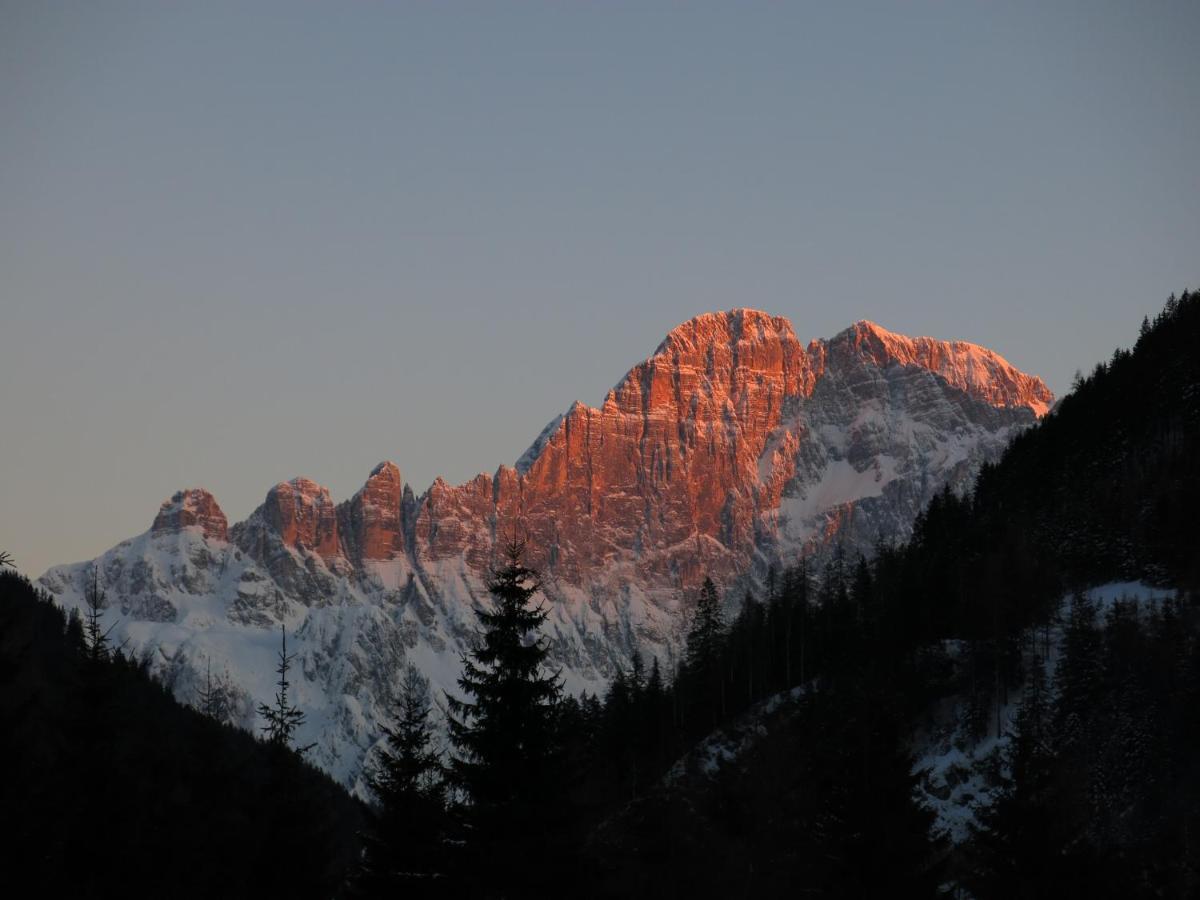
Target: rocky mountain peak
<point>193,507</point>
<point>386,471</point>
<point>980,372</point>
<point>302,512</point>
<point>716,357</point>
<point>374,521</point>
<point>729,328</point>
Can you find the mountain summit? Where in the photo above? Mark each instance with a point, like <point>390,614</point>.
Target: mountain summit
<point>732,448</point>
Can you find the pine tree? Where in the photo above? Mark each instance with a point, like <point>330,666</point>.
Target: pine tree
<point>836,620</point>
<point>96,642</point>
<point>654,685</point>
<point>76,638</point>
<point>504,734</point>
<point>213,699</point>
<point>404,847</point>
<point>637,678</point>
<point>283,719</point>
<point>702,659</point>
<point>619,718</point>
<point>657,719</point>
<point>746,638</point>
<point>796,634</point>
<point>862,592</point>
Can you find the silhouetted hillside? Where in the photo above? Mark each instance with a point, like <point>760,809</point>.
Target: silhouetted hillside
<point>111,788</point>
<point>1105,488</point>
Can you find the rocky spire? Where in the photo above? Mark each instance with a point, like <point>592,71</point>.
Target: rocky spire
<point>374,517</point>
<point>303,514</point>
<point>193,507</point>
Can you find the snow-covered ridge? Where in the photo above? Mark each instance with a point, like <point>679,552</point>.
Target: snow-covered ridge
<point>731,449</point>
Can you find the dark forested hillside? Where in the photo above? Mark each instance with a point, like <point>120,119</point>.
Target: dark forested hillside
<point>1107,486</point>
<point>1100,794</point>
<point>111,788</point>
<point>1104,489</point>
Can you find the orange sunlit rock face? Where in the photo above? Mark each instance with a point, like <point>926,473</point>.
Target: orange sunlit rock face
<point>192,507</point>
<point>681,472</point>
<point>373,521</point>
<point>672,454</point>
<point>969,367</point>
<point>303,514</point>
<point>668,468</point>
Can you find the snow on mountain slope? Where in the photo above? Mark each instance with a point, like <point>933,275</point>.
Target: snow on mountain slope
<point>957,773</point>
<point>732,448</point>
<point>730,743</point>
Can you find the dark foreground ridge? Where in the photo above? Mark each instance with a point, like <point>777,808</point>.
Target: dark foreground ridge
<point>111,788</point>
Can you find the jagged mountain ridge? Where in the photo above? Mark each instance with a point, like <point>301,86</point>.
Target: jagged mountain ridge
<point>731,448</point>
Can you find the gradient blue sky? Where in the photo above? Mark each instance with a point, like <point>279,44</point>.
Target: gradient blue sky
<point>242,242</point>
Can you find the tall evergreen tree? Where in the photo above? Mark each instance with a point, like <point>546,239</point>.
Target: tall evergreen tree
<point>404,848</point>
<point>96,642</point>
<point>620,714</point>
<point>657,720</point>
<point>283,719</point>
<point>637,677</point>
<point>702,661</point>
<point>504,734</point>
<point>213,698</point>
<point>796,586</point>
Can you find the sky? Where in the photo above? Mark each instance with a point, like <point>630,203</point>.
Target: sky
<point>241,242</point>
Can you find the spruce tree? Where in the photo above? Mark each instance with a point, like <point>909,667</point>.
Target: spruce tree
<point>283,719</point>
<point>637,678</point>
<point>657,719</point>
<point>213,699</point>
<point>618,731</point>
<point>745,640</point>
<point>503,730</point>
<point>404,846</point>
<point>702,660</point>
<point>96,643</point>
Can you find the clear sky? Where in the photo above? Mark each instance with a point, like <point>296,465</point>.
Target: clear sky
<point>242,242</point>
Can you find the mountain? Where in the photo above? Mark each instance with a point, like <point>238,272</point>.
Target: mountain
<point>732,448</point>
